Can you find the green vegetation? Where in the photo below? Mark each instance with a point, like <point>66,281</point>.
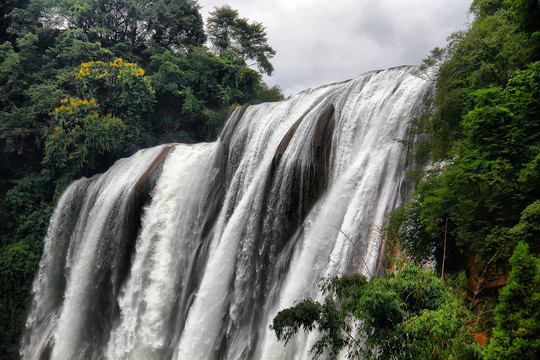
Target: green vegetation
<point>484,137</point>
<point>408,314</point>
<point>478,204</point>
<point>80,137</point>
<point>232,34</point>
<point>517,315</point>
<point>85,82</point>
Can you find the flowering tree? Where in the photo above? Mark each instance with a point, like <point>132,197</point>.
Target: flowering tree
<point>120,88</point>
<point>80,136</point>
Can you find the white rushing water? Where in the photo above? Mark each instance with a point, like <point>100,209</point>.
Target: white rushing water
<point>189,251</point>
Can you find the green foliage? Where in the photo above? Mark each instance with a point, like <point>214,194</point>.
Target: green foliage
<point>483,58</point>
<point>265,93</point>
<point>17,266</point>
<point>489,183</point>
<point>480,199</point>
<point>175,23</point>
<point>484,8</point>
<point>526,13</point>
<point>72,47</point>
<point>230,33</point>
<point>80,136</point>
<point>221,27</point>
<point>27,209</point>
<point>195,90</point>
<point>25,17</point>
<point>19,124</point>
<point>410,314</point>
<point>304,315</point>
<point>120,88</point>
<point>404,226</point>
<point>485,128</point>
<point>169,23</point>
<point>528,228</point>
<point>517,315</point>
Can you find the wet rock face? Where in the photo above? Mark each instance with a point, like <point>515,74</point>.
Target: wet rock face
<point>308,180</point>
<point>228,131</point>
<point>322,144</point>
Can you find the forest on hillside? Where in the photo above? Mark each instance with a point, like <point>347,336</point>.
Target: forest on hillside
<point>84,83</point>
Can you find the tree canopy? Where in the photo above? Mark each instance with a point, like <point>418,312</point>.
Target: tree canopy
<point>517,315</point>
<point>230,33</point>
<point>169,23</point>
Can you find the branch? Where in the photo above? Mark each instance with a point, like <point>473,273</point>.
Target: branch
<point>444,247</point>
<point>355,247</point>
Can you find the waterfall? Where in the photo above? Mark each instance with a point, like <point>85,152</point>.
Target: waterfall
<point>188,251</point>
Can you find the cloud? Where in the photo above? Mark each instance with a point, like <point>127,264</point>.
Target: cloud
<point>320,41</point>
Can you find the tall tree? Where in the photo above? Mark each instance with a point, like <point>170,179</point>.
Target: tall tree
<point>175,23</point>
<point>517,334</point>
<point>221,28</point>
<point>230,33</point>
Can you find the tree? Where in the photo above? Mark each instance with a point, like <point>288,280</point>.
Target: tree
<point>120,88</point>
<point>195,90</point>
<point>17,267</point>
<point>23,16</point>
<point>517,315</point>
<point>410,314</point>
<point>174,24</point>
<point>79,137</point>
<point>229,33</point>
<point>221,28</point>
<point>6,7</point>
<point>527,13</point>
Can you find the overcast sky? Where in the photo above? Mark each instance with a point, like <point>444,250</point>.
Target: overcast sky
<point>323,41</point>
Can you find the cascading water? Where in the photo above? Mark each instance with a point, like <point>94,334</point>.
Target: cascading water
<point>188,251</point>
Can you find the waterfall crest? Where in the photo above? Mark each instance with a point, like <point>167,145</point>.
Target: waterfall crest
<point>188,251</point>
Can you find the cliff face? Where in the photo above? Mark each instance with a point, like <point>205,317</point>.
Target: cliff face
<point>484,280</point>
<point>310,181</point>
